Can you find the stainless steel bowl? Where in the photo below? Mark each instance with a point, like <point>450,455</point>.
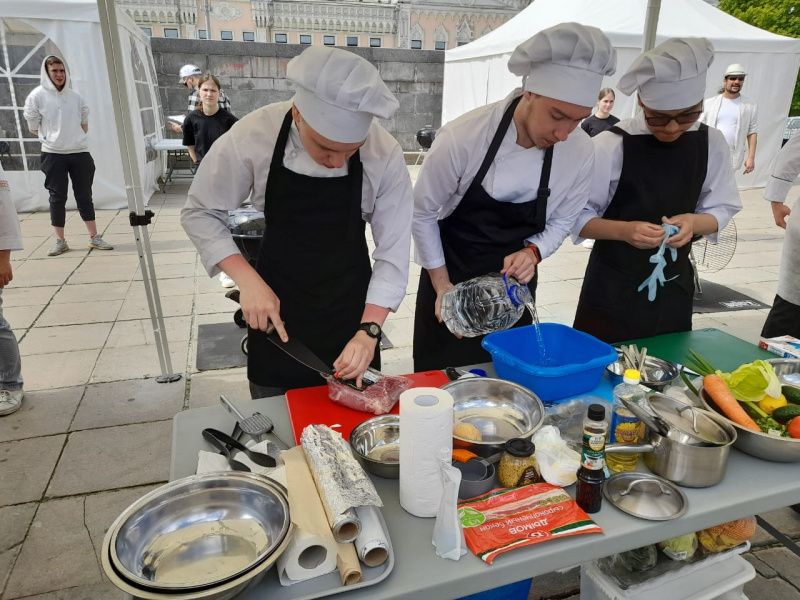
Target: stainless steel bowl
<point>761,445</point>
<point>657,375</point>
<point>787,370</point>
<point>199,531</point>
<point>224,591</point>
<point>376,444</point>
<point>499,410</point>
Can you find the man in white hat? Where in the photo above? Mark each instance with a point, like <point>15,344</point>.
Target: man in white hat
<point>736,116</point>
<point>660,167</point>
<point>502,185</point>
<point>319,166</point>
<point>189,75</point>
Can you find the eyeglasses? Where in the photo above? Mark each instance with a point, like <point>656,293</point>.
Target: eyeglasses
<point>735,78</point>
<point>680,119</point>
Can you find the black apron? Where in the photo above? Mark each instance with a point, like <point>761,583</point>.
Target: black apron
<point>476,237</point>
<point>657,179</point>
<point>315,258</point>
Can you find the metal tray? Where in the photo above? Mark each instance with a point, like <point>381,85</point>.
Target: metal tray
<point>325,585</point>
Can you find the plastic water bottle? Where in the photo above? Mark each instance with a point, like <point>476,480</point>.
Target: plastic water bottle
<point>484,304</point>
<point>626,428</point>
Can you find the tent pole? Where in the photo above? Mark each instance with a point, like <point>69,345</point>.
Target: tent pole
<point>651,24</point>
<point>139,217</point>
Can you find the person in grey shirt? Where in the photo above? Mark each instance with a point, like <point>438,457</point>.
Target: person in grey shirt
<point>10,364</point>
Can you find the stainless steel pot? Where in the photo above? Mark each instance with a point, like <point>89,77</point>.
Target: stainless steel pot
<point>688,465</point>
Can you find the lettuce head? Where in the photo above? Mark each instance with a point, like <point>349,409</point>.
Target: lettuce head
<point>751,382</point>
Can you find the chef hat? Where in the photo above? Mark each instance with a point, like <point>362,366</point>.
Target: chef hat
<point>338,93</point>
<point>672,75</point>
<point>566,62</point>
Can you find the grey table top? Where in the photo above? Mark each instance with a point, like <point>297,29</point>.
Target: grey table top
<point>169,144</point>
<point>750,486</point>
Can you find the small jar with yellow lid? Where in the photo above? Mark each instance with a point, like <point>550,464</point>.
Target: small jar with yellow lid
<point>518,465</point>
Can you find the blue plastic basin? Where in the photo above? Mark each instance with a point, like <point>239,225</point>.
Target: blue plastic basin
<point>576,360</point>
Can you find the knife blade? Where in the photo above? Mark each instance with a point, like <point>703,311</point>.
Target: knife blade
<point>302,354</point>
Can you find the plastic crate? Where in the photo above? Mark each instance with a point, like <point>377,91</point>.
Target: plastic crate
<point>513,591</point>
<point>712,582</point>
<point>578,359</point>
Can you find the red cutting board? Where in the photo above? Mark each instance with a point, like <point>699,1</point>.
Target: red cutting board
<point>312,405</point>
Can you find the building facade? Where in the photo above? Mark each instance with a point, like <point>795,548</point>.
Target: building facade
<point>413,24</point>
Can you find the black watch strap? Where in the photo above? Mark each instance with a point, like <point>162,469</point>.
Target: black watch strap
<point>373,329</point>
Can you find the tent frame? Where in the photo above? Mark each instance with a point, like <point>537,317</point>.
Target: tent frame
<point>139,217</point>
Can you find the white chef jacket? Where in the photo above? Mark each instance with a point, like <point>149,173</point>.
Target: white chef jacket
<point>457,154</point>
<point>718,196</point>
<point>784,171</point>
<point>237,166</point>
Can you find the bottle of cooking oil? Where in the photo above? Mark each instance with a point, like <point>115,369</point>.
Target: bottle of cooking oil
<point>626,428</point>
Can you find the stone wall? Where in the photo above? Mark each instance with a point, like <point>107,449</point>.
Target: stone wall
<point>254,74</point>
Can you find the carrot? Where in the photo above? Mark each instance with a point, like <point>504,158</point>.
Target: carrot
<point>721,395</point>
<point>463,455</point>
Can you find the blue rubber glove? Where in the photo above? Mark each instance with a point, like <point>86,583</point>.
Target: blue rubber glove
<point>657,277</point>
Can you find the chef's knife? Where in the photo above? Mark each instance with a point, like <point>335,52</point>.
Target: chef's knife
<point>302,354</point>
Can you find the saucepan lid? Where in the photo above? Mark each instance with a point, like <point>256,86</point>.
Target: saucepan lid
<point>645,496</point>
<point>698,425</point>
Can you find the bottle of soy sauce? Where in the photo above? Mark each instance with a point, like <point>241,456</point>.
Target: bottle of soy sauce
<point>591,474</point>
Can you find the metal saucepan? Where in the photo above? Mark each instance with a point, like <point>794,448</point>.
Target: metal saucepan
<point>688,465</point>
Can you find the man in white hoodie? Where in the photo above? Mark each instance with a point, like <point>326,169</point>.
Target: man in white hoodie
<point>59,117</point>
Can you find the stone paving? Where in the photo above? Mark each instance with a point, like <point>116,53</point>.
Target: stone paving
<point>94,432</point>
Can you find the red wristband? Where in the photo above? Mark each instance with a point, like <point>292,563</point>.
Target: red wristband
<point>535,250</point>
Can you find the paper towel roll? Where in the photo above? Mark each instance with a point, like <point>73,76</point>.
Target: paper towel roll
<point>312,551</point>
<point>426,428</point>
<point>371,544</point>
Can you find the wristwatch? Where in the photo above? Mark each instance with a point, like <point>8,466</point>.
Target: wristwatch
<point>373,330</point>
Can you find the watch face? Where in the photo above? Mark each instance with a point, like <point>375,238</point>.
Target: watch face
<point>374,330</point>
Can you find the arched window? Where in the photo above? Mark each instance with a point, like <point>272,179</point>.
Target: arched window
<point>22,50</point>
<point>149,101</point>
<point>463,34</point>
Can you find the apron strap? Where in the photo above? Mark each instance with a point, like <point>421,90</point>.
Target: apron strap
<point>543,193</point>
<point>496,141</point>
<point>280,142</point>
<point>618,131</point>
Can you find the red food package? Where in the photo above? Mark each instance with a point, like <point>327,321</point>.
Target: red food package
<point>504,519</point>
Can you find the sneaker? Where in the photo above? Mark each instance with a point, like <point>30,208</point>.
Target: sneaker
<point>10,401</point>
<point>58,248</point>
<point>226,281</point>
<point>99,243</point>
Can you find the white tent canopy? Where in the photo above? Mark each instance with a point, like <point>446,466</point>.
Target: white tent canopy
<point>31,29</point>
<point>477,73</point>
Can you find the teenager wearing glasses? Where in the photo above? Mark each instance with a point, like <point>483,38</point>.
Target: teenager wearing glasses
<point>736,117</point>
<point>660,167</point>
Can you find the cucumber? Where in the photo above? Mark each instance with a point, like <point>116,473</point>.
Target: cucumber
<point>784,414</point>
<point>792,393</point>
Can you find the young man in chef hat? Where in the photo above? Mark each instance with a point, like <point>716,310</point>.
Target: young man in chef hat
<point>660,167</point>
<point>502,185</point>
<point>319,167</point>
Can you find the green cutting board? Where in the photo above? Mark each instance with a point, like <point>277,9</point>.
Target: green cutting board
<point>724,351</point>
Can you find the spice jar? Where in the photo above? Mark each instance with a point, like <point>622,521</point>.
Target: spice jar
<point>518,466</point>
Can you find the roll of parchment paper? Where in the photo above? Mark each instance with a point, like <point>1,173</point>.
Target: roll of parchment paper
<point>426,430</point>
<point>341,482</point>
<point>312,551</point>
<point>347,563</point>
<point>371,543</point>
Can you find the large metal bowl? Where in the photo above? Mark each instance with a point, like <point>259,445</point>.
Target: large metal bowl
<point>787,370</point>
<point>376,444</point>
<point>199,532</point>
<point>499,409</point>
<point>761,445</point>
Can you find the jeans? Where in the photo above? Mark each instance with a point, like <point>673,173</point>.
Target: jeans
<point>10,364</point>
